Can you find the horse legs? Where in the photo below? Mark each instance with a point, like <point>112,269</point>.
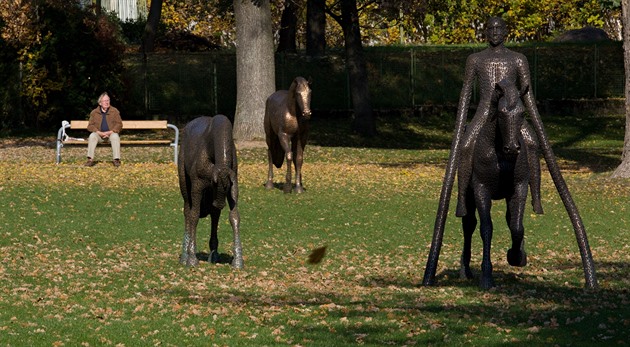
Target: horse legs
<point>191,217</point>
<point>484,204</point>
<point>469,223</point>
<point>285,142</point>
<point>269,184</point>
<point>298,149</point>
<point>516,256</point>
<point>215,213</point>
<point>235,221</point>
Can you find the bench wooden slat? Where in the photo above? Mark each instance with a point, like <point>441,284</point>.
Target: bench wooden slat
<point>127,124</point>
<point>123,142</point>
<point>145,142</point>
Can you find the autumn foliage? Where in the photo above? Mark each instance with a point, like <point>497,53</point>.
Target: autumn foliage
<point>67,57</point>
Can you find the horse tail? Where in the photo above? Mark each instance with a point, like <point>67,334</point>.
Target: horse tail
<point>277,152</point>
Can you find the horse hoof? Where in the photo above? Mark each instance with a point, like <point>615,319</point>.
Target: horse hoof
<point>269,185</point>
<point>429,281</point>
<point>188,260</point>
<point>486,283</point>
<point>465,273</point>
<point>538,208</point>
<point>214,257</point>
<point>298,190</point>
<point>516,258</point>
<point>287,189</point>
<point>237,263</point>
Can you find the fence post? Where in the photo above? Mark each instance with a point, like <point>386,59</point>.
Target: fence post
<point>412,72</point>
<point>215,89</point>
<point>145,79</point>
<point>535,75</point>
<point>595,65</point>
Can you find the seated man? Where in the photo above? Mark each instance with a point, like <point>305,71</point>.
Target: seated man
<point>104,124</point>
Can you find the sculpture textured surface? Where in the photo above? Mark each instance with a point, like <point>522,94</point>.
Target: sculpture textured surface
<point>500,171</point>
<point>208,176</point>
<point>498,68</point>
<point>286,130</point>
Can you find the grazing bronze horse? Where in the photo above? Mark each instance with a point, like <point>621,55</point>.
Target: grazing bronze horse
<point>286,128</point>
<point>500,171</point>
<point>208,176</point>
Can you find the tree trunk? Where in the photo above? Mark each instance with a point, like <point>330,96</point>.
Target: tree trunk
<point>255,67</point>
<point>623,170</point>
<point>363,121</point>
<point>288,24</point>
<point>148,39</point>
<point>315,28</point>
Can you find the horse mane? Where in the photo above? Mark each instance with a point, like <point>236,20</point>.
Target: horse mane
<point>291,99</point>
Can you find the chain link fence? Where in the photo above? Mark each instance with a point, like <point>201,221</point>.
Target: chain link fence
<point>400,78</point>
<point>186,85</point>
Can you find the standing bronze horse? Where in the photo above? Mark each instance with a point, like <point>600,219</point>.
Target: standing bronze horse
<point>500,170</point>
<point>286,128</point>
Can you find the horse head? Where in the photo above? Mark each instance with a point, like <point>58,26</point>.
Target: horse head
<point>510,115</point>
<point>222,178</point>
<point>303,96</point>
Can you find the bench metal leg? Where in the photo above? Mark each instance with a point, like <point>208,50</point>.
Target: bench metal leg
<point>175,142</point>
<point>59,141</point>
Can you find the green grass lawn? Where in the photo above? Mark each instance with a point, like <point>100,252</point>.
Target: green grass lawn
<point>89,256</point>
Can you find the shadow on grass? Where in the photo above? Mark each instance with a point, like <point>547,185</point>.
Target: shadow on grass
<point>522,309</point>
<point>224,258</point>
<point>589,141</point>
<point>520,304</point>
<point>396,130</point>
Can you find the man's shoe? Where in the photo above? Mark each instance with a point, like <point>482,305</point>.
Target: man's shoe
<point>89,162</point>
<point>116,162</point>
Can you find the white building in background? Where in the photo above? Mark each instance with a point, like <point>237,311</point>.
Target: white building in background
<point>126,10</point>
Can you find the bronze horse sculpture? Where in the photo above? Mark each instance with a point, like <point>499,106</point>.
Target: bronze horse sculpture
<point>286,130</point>
<point>500,170</point>
<point>208,176</point>
<point>487,68</point>
<point>480,200</point>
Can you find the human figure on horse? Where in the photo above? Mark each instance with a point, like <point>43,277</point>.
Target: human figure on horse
<point>488,67</point>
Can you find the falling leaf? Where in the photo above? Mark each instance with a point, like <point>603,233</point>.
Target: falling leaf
<point>317,255</point>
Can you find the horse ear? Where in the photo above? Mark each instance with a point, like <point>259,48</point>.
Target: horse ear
<point>310,80</point>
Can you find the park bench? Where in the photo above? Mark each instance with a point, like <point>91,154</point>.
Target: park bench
<point>63,139</point>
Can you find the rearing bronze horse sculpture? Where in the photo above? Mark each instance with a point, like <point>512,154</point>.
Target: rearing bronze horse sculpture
<point>286,128</point>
